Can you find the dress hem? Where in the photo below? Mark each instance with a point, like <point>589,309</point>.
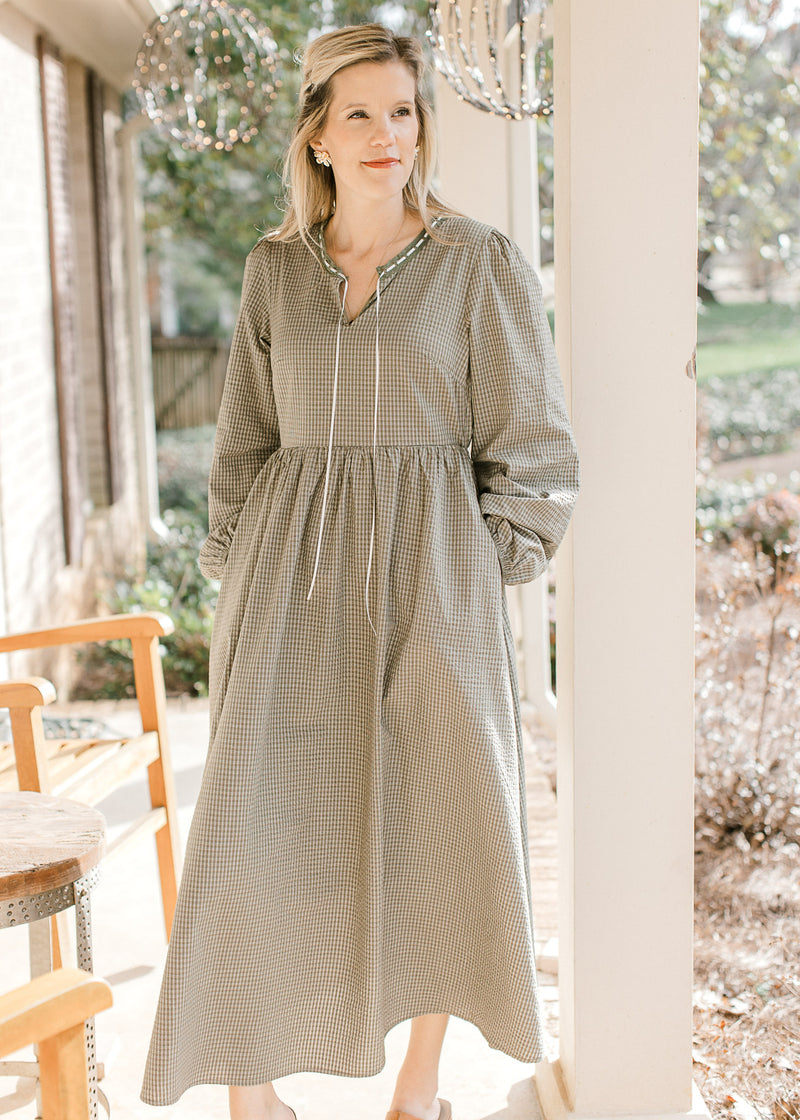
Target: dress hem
<point>372,1068</point>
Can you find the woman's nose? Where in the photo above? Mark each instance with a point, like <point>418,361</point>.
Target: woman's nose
<point>383,131</point>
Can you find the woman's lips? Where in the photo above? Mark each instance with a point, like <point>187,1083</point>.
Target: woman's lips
<point>380,162</point>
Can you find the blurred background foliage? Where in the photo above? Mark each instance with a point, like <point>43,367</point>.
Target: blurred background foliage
<point>749,127</point>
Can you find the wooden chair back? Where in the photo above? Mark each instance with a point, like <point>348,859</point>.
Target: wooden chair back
<point>89,769</point>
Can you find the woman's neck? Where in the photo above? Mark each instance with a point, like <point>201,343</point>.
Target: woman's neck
<point>360,232</point>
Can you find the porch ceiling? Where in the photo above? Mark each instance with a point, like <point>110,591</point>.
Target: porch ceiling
<point>103,34</point>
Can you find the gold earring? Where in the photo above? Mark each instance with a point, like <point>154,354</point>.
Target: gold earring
<point>416,151</point>
<point>321,156</point>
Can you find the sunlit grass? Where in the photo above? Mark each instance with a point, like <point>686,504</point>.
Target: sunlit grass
<point>736,338</point>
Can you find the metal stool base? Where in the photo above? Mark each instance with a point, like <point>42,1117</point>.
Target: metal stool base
<point>14,912</point>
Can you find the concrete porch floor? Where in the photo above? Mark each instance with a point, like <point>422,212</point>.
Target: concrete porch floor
<point>129,950</point>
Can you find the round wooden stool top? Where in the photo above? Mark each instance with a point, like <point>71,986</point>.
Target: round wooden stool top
<point>46,842</point>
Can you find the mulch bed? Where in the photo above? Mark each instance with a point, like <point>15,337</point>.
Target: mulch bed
<point>747,982</point>
<point>746,1043</point>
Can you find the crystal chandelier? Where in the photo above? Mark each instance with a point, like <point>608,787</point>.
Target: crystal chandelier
<point>205,74</point>
<point>504,39</point>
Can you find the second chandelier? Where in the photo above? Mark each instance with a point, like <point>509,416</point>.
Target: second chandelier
<point>497,56</point>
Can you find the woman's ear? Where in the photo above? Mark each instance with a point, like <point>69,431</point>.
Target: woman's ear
<point>320,155</point>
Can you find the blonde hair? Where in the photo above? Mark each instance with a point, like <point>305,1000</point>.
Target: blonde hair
<point>310,187</point>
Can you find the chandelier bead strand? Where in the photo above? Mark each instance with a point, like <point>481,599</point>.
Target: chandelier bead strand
<point>464,50</point>
<point>206,74</point>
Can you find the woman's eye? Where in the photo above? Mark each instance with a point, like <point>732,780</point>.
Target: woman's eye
<point>404,109</point>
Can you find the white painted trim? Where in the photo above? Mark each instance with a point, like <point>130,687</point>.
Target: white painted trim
<point>102,34</point>
<point>139,320</point>
<point>534,629</point>
<point>552,1099</point>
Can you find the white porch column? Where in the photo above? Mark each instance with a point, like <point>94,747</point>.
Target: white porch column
<point>473,158</point>
<point>626,224</point>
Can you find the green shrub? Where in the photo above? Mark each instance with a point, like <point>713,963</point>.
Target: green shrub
<point>173,584</point>
<point>753,413</point>
<point>184,460</point>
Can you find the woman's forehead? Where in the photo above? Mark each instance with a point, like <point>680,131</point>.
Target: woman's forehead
<point>365,81</point>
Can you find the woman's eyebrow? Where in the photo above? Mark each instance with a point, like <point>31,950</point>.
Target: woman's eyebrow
<point>363,104</point>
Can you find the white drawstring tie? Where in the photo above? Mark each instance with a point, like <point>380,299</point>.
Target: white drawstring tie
<point>330,440</point>
<point>374,444</point>
<point>330,444</point>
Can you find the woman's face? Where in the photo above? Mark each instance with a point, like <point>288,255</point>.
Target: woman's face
<point>371,129</point>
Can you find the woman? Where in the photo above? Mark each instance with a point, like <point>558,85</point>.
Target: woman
<point>392,448</point>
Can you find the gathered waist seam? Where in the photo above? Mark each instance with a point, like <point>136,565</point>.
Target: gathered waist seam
<point>363,446</point>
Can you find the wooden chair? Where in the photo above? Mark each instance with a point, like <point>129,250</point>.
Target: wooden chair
<point>88,769</point>
<point>51,1011</point>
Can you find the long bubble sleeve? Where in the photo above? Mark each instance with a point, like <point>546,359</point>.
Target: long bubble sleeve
<point>526,464</point>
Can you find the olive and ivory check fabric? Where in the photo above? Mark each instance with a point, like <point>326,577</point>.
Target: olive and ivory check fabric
<point>358,852</point>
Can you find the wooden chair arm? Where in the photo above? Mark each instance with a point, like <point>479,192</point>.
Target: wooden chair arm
<point>48,1005</point>
<point>148,624</point>
<point>31,692</point>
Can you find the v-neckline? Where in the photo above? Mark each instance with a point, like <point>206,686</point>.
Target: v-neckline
<point>389,268</point>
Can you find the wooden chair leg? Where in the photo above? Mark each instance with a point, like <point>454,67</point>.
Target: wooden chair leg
<point>153,708</point>
<point>62,950</point>
<point>50,948</point>
<point>62,1074</point>
<point>50,944</point>
<point>52,1011</point>
<point>30,755</point>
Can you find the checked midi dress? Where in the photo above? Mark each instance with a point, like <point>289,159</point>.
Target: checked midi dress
<point>358,853</point>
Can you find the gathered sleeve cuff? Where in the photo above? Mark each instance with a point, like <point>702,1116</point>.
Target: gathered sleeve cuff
<point>523,450</point>
<point>247,427</point>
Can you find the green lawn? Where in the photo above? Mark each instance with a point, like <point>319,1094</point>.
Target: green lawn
<point>734,338</point>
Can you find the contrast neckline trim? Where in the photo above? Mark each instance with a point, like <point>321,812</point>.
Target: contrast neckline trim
<point>398,259</point>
